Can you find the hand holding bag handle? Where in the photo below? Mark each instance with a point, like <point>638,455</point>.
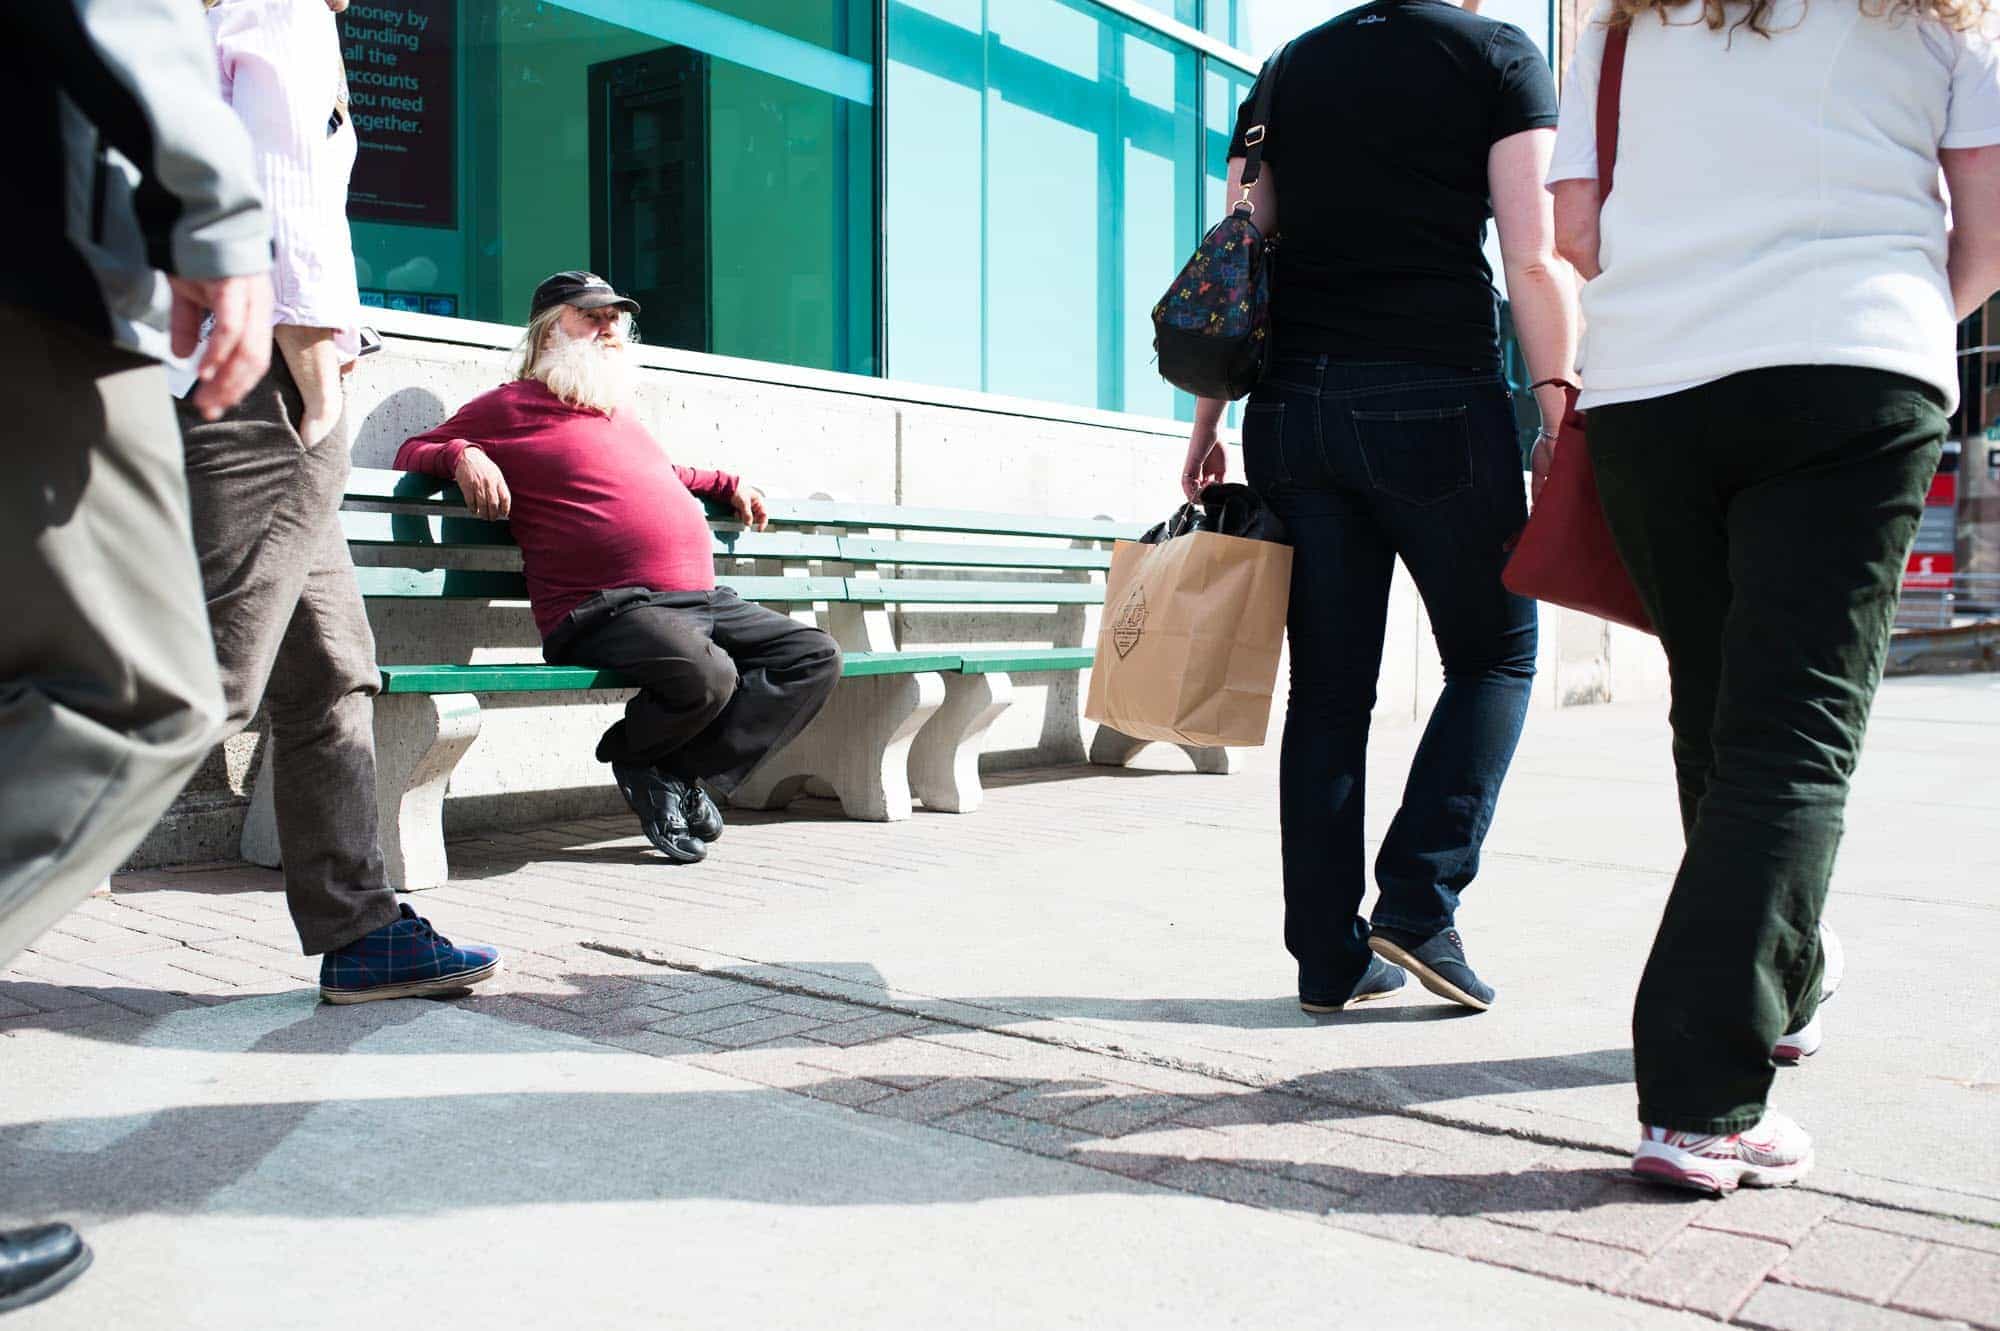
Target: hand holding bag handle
<point>1566,555</point>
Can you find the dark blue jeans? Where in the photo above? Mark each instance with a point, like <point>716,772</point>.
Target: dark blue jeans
<point>1368,463</point>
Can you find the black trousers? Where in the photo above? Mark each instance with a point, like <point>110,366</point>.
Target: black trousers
<point>722,682</point>
<point>1766,519</point>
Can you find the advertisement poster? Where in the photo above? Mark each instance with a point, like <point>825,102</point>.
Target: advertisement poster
<point>402,87</point>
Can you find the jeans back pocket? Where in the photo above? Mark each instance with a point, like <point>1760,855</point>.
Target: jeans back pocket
<point>1419,457</point>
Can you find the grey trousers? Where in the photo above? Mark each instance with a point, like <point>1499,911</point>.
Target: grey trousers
<point>108,690</point>
<point>291,630</point>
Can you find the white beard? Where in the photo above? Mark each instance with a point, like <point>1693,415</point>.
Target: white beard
<point>584,373</point>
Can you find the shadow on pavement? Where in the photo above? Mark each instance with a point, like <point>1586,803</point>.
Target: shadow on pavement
<point>363,1158</point>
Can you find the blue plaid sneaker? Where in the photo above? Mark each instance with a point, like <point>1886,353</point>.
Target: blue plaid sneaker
<point>406,959</point>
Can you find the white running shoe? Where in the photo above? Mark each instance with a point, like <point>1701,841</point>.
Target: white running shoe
<point>1833,962</point>
<point>1801,1043</point>
<point>1806,1040</point>
<point>1774,1154</point>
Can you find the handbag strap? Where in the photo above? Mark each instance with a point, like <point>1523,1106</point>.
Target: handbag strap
<point>1610,85</point>
<point>1259,128</point>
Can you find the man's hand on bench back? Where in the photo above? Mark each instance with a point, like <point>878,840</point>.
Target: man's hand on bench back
<point>748,501</point>
<point>484,487</point>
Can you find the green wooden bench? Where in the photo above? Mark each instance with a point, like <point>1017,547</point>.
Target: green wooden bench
<point>908,722</point>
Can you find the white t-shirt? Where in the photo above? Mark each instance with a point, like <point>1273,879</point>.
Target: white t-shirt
<point>1776,200</point>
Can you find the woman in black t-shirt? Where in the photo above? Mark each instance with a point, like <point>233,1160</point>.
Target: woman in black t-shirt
<point>1383,430</point>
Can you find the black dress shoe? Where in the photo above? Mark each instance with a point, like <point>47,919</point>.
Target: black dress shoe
<point>661,804</point>
<point>1438,962</point>
<point>35,1263</point>
<point>703,818</point>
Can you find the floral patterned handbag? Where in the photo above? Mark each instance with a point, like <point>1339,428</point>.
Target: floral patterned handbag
<point>1212,330</point>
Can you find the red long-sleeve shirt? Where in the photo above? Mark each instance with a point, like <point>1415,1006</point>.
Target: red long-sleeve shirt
<point>597,503</point>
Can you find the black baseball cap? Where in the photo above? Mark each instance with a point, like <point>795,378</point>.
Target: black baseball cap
<point>586,291</point>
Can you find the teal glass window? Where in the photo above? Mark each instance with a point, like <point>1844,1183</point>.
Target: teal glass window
<point>1042,189</point>
<point>1186,11</point>
<point>1229,21</point>
<point>716,159</point>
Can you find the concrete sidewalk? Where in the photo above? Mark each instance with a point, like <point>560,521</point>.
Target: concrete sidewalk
<point>1041,1064</point>
<point>262,1165</point>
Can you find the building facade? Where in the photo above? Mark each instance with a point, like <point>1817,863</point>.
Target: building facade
<point>971,194</point>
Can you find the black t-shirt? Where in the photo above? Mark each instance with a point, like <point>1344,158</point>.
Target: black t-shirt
<point>1378,140</point>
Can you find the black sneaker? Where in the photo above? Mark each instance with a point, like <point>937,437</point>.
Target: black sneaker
<point>661,803</point>
<point>1378,981</point>
<point>1439,963</point>
<point>35,1263</point>
<point>704,819</point>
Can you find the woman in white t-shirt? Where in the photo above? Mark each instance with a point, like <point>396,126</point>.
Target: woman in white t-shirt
<point>1773,288</point>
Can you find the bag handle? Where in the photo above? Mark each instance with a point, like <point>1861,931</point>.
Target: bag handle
<point>1260,127</point>
<point>1610,86</point>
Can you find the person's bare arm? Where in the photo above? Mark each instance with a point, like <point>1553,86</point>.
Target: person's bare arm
<point>1973,265</point>
<point>1205,463</point>
<point>1576,208</point>
<point>1540,288</point>
<point>315,363</point>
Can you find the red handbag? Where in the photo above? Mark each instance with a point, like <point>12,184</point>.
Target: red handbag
<point>1565,554</point>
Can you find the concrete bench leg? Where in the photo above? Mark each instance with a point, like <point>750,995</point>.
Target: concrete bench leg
<point>419,739</point>
<point>944,762</point>
<point>1112,748</point>
<point>859,745</point>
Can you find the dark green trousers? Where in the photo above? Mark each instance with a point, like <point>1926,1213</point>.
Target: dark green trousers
<point>1766,519</point>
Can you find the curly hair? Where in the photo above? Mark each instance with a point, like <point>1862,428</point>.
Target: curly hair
<point>1959,15</point>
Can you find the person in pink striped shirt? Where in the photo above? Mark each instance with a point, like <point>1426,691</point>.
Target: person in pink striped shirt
<point>266,482</point>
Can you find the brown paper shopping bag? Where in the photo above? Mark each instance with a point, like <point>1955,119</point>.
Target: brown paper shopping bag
<point>1188,650</point>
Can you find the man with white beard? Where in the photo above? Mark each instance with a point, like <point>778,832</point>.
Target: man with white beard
<point>616,548</point>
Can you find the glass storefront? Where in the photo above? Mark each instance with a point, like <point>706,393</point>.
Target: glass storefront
<point>982,194</point>
<point>1042,186</point>
<point>716,159</point>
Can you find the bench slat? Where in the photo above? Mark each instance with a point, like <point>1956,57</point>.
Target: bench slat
<point>855,665</point>
<point>382,485</point>
<point>528,677</point>
<point>471,585</point>
<point>823,512</point>
<point>916,591</point>
<point>440,584</point>
<point>739,544</point>
<point>423,531</point>
<point>1002,660</point>
<point>872,550</point>
<point>524,678</point>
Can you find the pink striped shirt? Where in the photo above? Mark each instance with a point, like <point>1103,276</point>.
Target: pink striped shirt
<point>282,72</point>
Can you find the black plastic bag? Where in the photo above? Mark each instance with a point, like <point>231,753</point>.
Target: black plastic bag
<point>1227,510</point>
